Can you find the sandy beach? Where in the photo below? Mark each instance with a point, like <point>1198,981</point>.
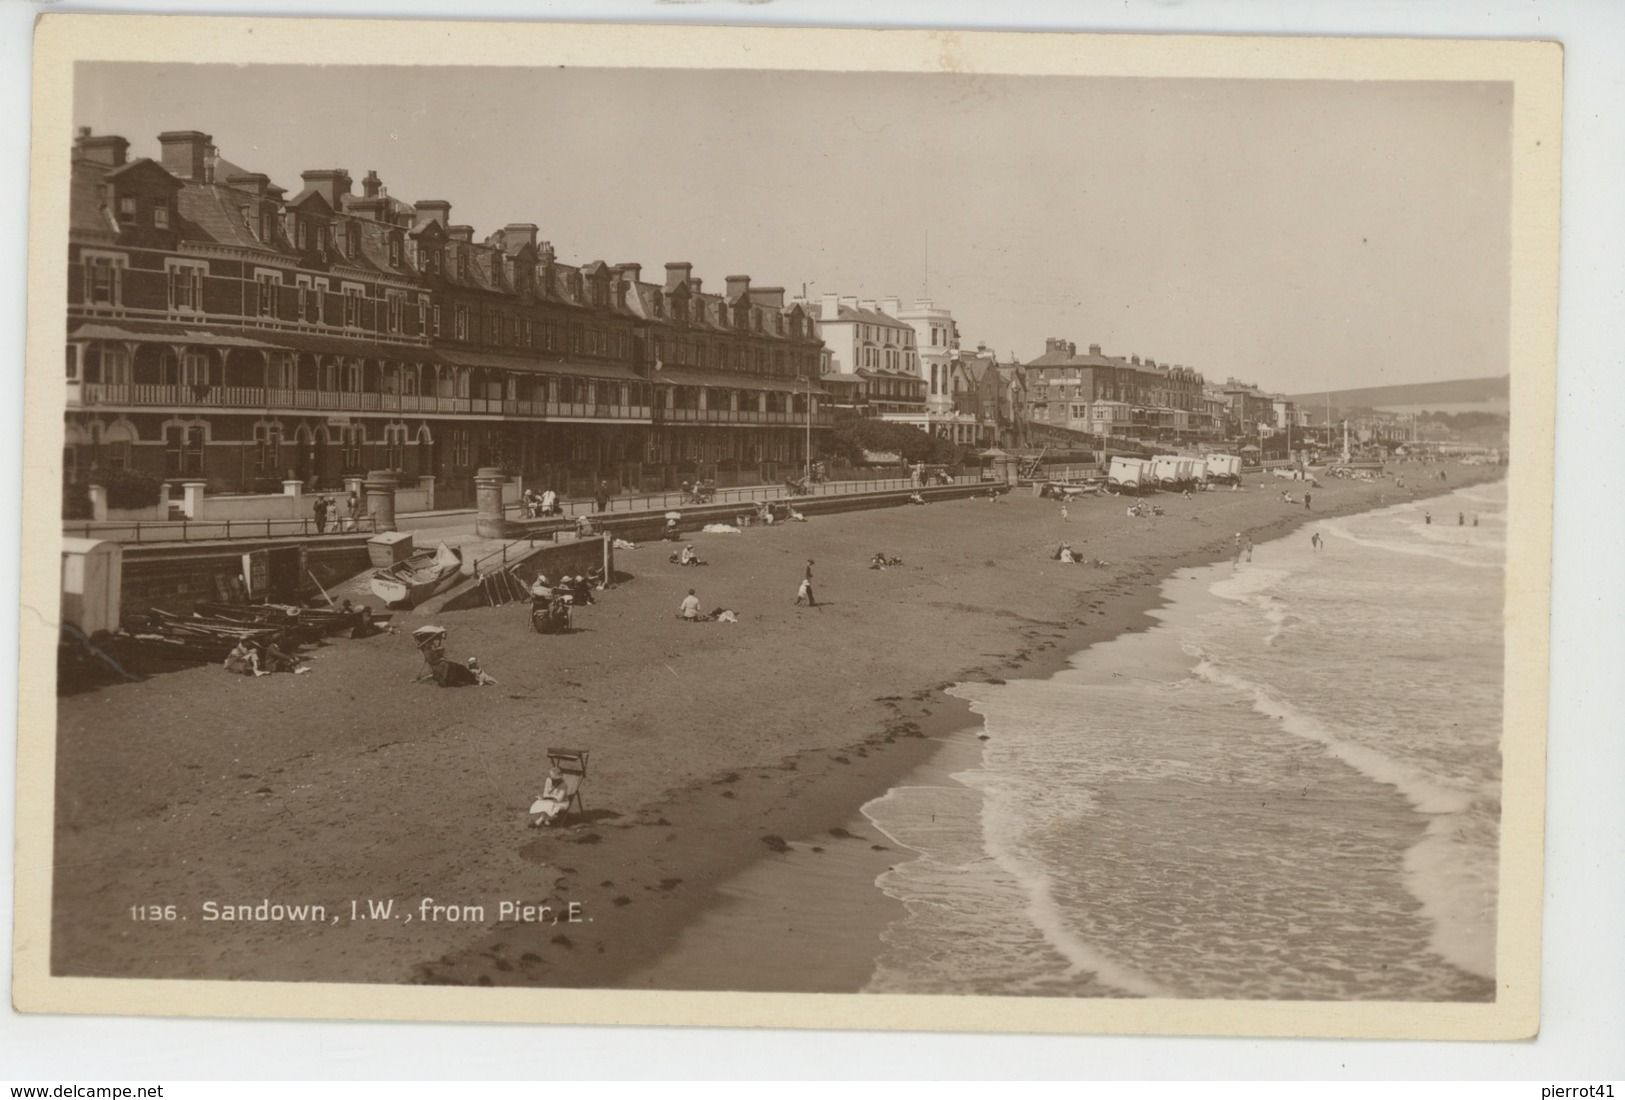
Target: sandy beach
<point>338,793</point>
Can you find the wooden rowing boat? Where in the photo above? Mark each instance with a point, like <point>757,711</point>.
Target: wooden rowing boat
<point>425,574</point>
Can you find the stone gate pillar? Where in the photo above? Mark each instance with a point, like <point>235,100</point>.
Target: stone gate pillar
<point>489,521</point>
<point>380,489</point>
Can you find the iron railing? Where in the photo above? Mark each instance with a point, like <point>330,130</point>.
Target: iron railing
<point>213,530</point>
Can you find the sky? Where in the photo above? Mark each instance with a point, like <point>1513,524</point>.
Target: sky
<point>1302,235</point>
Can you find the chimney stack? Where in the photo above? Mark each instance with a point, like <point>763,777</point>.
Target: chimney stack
<point>435,209</point>
<point>463,233</point>
<point>256,182</point>
<point>186,153</point>
<point>1094,349</point>
<point>830,309</point>
<point>633,272</point>
<point>891,306</point>
<point>516,235</point>
<point>333,183</point>
<point>677,273</point>
<point>738,285</point>
<point>108,149</point>
<point>372,187</point>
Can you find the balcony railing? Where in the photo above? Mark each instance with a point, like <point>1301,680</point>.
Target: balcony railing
<point>256,397</point>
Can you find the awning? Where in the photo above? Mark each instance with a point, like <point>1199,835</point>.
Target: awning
<point>176,334</point>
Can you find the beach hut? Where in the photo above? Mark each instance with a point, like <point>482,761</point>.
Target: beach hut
<point>92,585</point>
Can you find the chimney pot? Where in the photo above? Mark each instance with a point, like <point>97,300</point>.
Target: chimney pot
<point>372,187</point>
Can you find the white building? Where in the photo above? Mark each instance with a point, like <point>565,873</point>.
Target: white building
<point>937,338</point>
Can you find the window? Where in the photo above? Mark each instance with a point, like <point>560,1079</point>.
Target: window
<point>423,314</point>
<point>395,446</point>
<point>461,332</point>
<point>318,299</point>
<point>462,264</point>
<point>267,293</point>
<point>185,287</point>
<point>104,280</point>
<point>267,449</point>
<point>160,216</point>
<point>397,311</point>
<point>352,240</point>
<point>301,233</point>
<point>434,325</point>
<point>461,451</point>
<point>394,250</point>
<point>352,307</point>
<point>126,209</point>
<point>527,334</point>
<point>183,450</point>
<point>350,446</point>
<point>195,369</point>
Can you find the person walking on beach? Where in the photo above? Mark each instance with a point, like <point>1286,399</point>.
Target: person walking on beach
<point>690,608</point>
<point>1064,517</point>
<point>1427,517</point>
<point>1461,519</point>
<point>806,589</point>
<point>1247,545</point>
<point>1314,540</point>
<point>1306,502</point>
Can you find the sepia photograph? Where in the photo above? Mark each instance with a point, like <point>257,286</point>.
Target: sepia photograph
<point>1014,534</point>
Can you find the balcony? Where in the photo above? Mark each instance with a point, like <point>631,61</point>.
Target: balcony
<point>86,394</point>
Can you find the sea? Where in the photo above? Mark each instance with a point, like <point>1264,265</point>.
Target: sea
<point>1286,787</point>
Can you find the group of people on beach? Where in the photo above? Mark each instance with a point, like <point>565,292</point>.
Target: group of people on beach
<point>251,658</point>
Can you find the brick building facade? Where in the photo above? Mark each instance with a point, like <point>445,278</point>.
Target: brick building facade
<point>220,330</point>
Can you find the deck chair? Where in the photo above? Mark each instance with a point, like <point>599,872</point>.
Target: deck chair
<point>573,763</point>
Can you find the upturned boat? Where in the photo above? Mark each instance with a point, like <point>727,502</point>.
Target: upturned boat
<point>409,583</point>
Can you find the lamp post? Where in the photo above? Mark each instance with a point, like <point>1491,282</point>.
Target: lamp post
<point>806,473</point>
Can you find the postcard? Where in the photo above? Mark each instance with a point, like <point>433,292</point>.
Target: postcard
<point>787,527</point>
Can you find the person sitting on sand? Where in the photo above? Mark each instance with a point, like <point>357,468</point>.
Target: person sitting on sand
<point>670,533</point>
<point>916,498</point>
<point>365,627</point>
<point>273,659</point>
<point>552,802</point>
<point>243,659</point>
<point>687,556</point>
<point>1066,554</point>
<point>481,677</point>
<point>689,610</point>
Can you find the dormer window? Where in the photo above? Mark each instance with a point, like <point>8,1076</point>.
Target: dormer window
<point>160,216</point>
<point>352,240</point>
<point>126,209</point>
<point>394,250</point>
<point>462,264</point>
<point>301,234</point>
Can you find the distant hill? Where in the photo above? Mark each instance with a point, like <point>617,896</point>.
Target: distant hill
<point>1459,395</point>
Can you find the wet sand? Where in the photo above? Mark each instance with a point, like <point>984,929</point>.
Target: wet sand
<point>713,746</point>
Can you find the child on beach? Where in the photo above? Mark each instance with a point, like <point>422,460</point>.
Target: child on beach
<point>689,610</point>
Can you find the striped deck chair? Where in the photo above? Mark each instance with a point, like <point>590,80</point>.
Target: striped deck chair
<point>573,763</point>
